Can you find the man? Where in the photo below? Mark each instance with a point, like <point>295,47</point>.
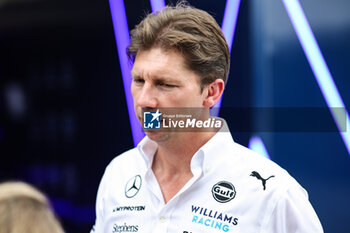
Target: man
<point>192,181</point>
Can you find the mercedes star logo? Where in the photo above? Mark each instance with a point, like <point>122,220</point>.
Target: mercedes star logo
<point>133,186</point>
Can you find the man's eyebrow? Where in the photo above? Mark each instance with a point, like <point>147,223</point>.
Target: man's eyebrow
<point>164,79</point>
<point>158,79</point>
<point>135,75</point>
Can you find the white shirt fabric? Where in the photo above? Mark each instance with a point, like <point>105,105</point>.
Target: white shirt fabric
<point>222,196</point>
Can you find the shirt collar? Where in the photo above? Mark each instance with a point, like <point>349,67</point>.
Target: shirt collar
<point>147,149</point>
<point>215,148</point>
<point>202,160</point>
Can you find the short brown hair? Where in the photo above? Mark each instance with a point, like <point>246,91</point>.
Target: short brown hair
<point>192,32</point>
<point>23,208</point>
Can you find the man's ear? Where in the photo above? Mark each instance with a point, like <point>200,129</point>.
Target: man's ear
<point>213,92</point>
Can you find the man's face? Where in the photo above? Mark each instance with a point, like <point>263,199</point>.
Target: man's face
<point>161,80</point>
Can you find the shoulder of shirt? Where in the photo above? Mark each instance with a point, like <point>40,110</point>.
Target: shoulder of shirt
<point>254,162</point>
<point>125,158</point>
<point>123,164</point>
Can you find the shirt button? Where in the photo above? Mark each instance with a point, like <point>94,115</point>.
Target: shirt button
<point>207,170</point>
<point>162,219</point>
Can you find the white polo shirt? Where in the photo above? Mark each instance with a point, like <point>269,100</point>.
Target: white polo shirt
<point>233,189</point>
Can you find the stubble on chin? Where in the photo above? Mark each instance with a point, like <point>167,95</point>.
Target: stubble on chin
<point>159,137</point>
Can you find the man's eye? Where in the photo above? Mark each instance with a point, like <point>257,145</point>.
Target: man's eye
<point>139,81</point>
<point>167,85</point>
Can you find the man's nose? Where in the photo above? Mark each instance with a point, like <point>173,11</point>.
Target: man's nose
<point>147,97</point>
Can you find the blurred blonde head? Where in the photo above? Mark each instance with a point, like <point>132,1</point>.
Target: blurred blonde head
<point>24,209</point>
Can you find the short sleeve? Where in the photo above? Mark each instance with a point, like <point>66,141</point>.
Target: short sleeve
<point>293,213</point>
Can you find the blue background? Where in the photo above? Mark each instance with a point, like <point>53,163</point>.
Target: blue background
<point>63,114</point>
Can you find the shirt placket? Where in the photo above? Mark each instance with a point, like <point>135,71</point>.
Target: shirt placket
<point>164,216</point>
<point>162,211</point>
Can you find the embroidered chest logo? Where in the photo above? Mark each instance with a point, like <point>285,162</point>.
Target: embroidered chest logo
<point>258,176</point>
<point>223,191</point>
<point>133,186</point>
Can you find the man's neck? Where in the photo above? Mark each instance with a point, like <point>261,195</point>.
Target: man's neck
<point>172,161</point>
<point>176,153</point>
